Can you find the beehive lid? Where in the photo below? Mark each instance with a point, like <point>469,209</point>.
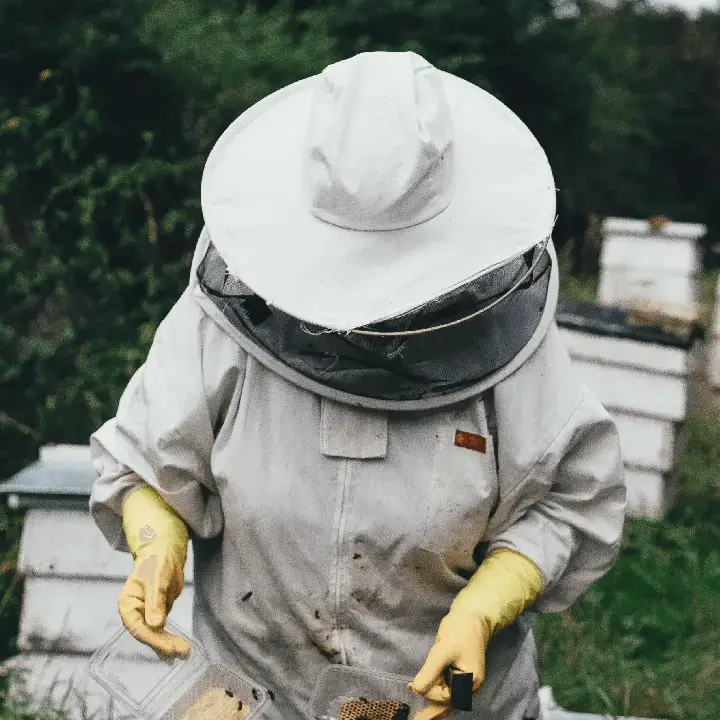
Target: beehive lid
<point>61,478</point>
<point>654,226</point>
<point>614,322</point>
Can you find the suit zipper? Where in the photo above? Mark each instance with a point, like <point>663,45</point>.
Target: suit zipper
<point>345,471</point>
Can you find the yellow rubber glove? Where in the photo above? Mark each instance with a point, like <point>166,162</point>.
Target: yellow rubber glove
<point>504,585</point>
<point>158,540</point>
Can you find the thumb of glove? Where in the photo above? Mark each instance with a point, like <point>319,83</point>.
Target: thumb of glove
<point>155,594</point>
<point>156,607</point>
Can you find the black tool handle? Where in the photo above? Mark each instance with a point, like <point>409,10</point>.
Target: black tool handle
<point>461,688</point>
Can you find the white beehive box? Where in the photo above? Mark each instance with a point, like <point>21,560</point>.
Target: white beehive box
<point>642,376</point>
<point>638,262</point>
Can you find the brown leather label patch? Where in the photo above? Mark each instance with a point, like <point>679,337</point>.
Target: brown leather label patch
<point>470,441</point>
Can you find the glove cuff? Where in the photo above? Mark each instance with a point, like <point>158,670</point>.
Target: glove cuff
<point>148,519</point>
<point>505,584</point>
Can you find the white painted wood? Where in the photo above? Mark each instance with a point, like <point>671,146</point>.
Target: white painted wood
<point>648,493</point>
<point>638,262</point>
<point>621,286</point>
<point>73,454</point>
<point>651,254</point>
<point>66,615</point>
<point>635,392</point>
<point>632,226</point>
<point>69,544</point>
<point>645,442</point>
<point>628,353</point>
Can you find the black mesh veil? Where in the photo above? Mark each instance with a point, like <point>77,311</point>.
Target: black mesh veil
<point>407,366</point>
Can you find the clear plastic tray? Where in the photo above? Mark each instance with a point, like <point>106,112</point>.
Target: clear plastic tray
<point>339,683</point>
<point>156,689</point>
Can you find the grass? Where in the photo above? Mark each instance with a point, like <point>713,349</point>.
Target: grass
<point>579,289</point>
<point>708,283</point>
<point>10,585</point>
<point>645,640</point>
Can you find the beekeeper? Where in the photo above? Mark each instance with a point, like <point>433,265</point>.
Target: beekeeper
<point>360,409</point>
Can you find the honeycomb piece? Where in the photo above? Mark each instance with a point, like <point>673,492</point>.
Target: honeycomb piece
<point>363,709</point>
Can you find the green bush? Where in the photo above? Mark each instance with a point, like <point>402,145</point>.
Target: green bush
<point>98,214</point>
<point>226,59</point>
<point>103,136</point>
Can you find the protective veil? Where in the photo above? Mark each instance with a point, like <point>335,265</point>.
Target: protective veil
<point>399,367</point>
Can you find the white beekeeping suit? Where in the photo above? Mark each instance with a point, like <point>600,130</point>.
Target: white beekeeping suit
<point>340,487</point>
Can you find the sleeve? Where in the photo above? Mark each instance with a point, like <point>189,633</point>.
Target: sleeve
<point>164,430</point>
<point>572,499</point>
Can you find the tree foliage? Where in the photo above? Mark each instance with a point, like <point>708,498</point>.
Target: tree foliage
<point>227,59</point>
<point>654,133</point>
<point>104,129</point>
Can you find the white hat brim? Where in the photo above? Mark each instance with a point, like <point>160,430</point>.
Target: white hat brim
<point>259,219</point>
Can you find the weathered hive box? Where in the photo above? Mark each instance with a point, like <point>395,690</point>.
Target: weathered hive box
<point>643,261</point>
<point>71,582</point>
<point>641,375</point>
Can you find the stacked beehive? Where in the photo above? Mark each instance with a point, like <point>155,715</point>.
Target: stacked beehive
<point>637,347</point>
<point>642,376</point>
<point>650,260</point>
<point>72,579</point>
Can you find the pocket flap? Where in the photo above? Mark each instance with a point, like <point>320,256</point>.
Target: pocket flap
<point>352,432</point>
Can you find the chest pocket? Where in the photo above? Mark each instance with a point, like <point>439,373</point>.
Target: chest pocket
<point>350,432</point>
<point>463,482</point>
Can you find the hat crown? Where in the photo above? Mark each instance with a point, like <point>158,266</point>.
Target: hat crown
<point>379,147</point>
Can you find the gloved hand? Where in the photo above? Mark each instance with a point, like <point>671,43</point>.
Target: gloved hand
<point>158,540</point>
<point>504,585</point>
